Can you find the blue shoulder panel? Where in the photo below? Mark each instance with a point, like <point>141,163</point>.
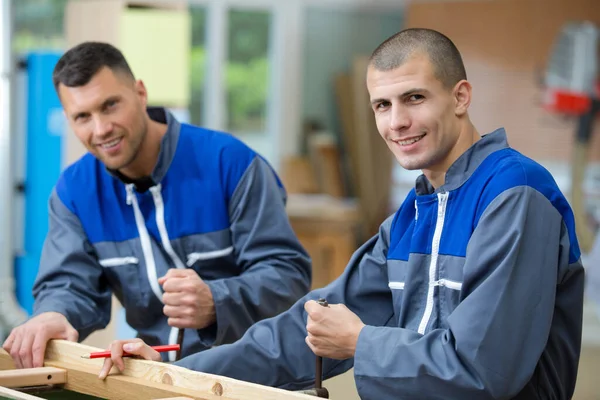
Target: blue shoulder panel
<point>201,179</point>
<point>500,171</point>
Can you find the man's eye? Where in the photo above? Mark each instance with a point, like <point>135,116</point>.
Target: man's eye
<point>416,97</point>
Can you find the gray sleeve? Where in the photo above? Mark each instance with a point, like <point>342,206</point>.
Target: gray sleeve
<point>273,352</point>
<point>70,281</point>
<point>276,268</point>
<point>496,335</point>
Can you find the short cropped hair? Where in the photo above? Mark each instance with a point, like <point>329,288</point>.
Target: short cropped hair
<point>442,53</point>
<point>79,64</point>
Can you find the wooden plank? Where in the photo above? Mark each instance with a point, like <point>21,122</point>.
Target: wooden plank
<point>122,387</point>
<point>6,362</point>
<point>298,175</point>
<point>375,159</point>
<point>149,379</point>
<point>345,101</point>
<point>6,393</point>
<point>32,377</point>
<point>579,162</point>
<point>326,158</point>
<point>176,398</point>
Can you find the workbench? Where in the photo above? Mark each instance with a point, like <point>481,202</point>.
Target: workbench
<point>73,377</point>
<point>327,228</point>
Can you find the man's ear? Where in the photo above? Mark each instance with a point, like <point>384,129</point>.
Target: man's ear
<point>462,97</point>
<point>141,91</point>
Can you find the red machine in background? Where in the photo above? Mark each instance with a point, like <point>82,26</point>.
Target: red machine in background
<point>572,88</point>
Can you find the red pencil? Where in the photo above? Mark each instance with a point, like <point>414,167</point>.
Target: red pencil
<point>106,354</point>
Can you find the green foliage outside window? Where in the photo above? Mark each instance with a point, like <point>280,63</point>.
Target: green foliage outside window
<point>38,24</point>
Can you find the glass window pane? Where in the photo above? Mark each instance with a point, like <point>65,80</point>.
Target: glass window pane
<point>247,73</point>
<point>38,24</point>
<point>197,64</point>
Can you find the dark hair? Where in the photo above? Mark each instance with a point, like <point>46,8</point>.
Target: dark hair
<point>444,56</point>
<point>79,64</point>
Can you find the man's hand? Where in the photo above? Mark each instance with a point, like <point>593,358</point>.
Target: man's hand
<point>130,346</point>
<point>188,300</point>
<point>27,342</point>
<point>332,331</point>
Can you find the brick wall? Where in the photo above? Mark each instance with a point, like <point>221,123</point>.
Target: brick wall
<point>505,44</point>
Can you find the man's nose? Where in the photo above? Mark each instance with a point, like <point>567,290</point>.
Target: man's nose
<point>400,118</point>
<point>102,126</point>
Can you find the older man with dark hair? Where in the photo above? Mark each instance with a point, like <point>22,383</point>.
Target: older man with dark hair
<point>186,226</point>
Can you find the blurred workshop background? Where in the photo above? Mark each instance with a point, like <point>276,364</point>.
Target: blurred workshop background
<point>287,77</point>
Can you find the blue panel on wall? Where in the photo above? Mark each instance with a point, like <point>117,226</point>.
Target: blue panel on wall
<point>43,161</point>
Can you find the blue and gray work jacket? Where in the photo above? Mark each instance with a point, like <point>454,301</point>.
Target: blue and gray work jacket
<point>216,206</point>
<point>473,290</point>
